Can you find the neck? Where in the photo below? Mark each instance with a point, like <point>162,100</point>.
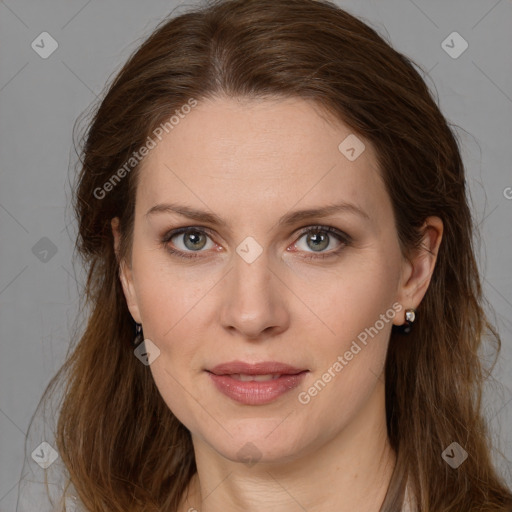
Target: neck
<point>350,471</point>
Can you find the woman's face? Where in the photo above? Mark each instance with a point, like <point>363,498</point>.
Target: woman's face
<point>254,287</point>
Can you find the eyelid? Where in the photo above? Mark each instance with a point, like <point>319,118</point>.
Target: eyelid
<point>328,229</point>
<point>178,231</point>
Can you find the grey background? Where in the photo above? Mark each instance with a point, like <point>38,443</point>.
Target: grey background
<point>40,100</point>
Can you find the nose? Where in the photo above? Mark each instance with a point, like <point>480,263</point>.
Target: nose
<point>254,300</point>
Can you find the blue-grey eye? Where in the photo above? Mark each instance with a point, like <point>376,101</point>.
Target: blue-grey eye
<point>192,240</point>
<point>318,240</point>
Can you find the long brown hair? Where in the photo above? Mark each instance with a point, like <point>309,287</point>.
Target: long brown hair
<point>123,447</point>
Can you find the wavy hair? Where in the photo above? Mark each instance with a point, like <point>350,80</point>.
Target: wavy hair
<point>124,449</point>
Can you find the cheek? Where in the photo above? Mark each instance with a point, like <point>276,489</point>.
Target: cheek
<point>175,391</point>
<point>171,308</point>
<point>173,301</point>
<point>169,295</point>
<point>350,299</point>
<point>357,315</point>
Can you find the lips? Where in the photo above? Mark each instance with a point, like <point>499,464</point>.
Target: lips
<point>256,384</point>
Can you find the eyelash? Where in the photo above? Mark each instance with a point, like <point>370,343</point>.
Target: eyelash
<point>342,237</point>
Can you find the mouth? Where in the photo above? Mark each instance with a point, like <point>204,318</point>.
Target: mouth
<point>255,384</point>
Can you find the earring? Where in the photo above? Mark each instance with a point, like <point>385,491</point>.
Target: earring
<point>139,336</point>
<point>410,316</point>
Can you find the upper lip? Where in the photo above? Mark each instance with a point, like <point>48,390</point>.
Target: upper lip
<point>263,368</point>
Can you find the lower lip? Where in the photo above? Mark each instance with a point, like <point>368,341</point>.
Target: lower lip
<point>256,393</point>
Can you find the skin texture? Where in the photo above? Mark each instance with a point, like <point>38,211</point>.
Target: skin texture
<point>251,162</point>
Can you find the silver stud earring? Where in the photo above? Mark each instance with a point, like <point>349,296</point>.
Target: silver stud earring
<point>410,316</point>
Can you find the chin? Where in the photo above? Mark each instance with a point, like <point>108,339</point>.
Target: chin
<point>260,442</point>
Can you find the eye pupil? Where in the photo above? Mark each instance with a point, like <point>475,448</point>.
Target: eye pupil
<point>196,236</point>
<point>319,240</point>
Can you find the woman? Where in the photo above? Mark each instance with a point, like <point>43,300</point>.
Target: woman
<point>285,304</point>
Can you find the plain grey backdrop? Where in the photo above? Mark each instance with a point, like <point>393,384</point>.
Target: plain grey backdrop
<point>55,59</point>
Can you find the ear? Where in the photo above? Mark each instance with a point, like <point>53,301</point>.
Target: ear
<point>125,274</point>
<point>418,269</point>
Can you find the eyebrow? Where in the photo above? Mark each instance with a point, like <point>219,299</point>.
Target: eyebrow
<point>286,220</point>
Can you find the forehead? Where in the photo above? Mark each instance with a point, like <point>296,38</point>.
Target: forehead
<point>230,155</point>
